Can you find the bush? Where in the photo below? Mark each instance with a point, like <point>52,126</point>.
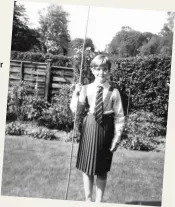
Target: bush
<point>58,115</point>
<point>145,79</point>
<point>58,60</point>
<point>16,102</point>
<point>11,116</point>
<point>140,131</point>
<point>42,133</point>
<point>34,107</point>
<point>22,105</point>
<point>14,128</point>
<point>23,128</point>
<point>86,76</point>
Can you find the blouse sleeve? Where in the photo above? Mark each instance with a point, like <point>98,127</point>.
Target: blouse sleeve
<point>119,118</point>
<point>80,99</point>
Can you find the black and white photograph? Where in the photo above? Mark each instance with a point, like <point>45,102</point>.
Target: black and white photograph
<point>87,103</point>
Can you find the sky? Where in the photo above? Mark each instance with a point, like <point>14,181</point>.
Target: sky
<point>104,22</point>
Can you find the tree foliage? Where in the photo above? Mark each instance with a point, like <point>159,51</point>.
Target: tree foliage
<point>127,42</point>
<point>167,34</point>
<point>169,25</point>
<point>77,43</point>
<point>23,38</point>
<point>54,30</point>
<point>144,80</point>
<point>151,47</point>
<point>131,43</point>
<point>57,60</point>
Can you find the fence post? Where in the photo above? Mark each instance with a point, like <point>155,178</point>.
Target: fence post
<point>129,95</point>
<point>22,72</point>
<point>48,74</point>
<point>128,102</point>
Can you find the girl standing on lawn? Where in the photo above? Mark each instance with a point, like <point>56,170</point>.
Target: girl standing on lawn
<point>101,127</point>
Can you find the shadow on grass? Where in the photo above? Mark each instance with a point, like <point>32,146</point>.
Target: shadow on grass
<point>145,203</point>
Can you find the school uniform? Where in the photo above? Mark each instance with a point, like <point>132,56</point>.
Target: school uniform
<point>94,156</point>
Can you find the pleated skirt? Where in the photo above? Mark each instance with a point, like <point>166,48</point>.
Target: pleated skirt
<point>94,156</point>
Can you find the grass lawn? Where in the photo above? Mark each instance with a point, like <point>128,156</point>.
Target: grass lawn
<point>39,168</point>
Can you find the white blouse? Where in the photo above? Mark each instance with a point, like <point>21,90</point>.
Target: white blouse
<point>111,104</point>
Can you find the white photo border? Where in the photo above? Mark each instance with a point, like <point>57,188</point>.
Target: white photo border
<point>6,18</point>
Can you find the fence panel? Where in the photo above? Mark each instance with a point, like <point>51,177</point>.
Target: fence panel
<point>15,73</point>
<point>44,77</point>
<point>60,76</point>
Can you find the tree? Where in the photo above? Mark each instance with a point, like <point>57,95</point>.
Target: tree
<point>167,34</point>
<point>54,29</point>
<point>77,43</point>
<point>23,38</point>
<point>151,47</point>
<point>169,25</point>
<point>127,42</point>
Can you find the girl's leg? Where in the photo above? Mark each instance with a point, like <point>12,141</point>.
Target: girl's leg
<point>100,186</point>
<point>88,186</point>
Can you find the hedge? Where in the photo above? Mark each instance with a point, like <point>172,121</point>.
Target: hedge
<point>144,79</point>
<point>58,60</point>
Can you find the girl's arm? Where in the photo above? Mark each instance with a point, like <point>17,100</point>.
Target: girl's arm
<point>81,90</point>
<point>119,119</point>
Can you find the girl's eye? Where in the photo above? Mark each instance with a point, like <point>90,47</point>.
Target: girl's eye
<point>104,69</point>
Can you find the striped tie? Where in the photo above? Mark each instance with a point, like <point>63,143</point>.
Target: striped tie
<point>99,105</point>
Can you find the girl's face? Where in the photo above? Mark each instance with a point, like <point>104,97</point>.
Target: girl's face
<point>101,73</point>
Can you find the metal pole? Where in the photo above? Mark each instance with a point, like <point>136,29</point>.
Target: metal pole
<point>71,153</point>
<point>81,68</point>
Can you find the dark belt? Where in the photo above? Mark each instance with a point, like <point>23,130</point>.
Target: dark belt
<point>111,115</point>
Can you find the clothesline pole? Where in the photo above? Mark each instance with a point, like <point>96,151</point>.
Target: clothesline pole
<point>82,58</point>
<point>73,134</point>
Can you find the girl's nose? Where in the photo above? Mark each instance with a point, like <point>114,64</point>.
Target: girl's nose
<point>101,71</point>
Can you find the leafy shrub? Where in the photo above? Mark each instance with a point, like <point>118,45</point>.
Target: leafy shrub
<point>58,115</point>
<point>14,128</point>
<point>86,76</point>
<point>34,107</point>
<point>42,133</point>
<point>16,102</point>
<point>26,128</point>
<point>58,60</point>
<point>144,79</point>
<point>11,116</point>
<point>22,105</point>
<point>140,131</point>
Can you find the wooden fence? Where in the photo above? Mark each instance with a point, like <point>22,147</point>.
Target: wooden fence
<point>42,77</point>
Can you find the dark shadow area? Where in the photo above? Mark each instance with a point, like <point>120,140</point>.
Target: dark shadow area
<point>145,203</point>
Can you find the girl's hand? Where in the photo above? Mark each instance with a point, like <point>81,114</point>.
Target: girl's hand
<point>114,146</point>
